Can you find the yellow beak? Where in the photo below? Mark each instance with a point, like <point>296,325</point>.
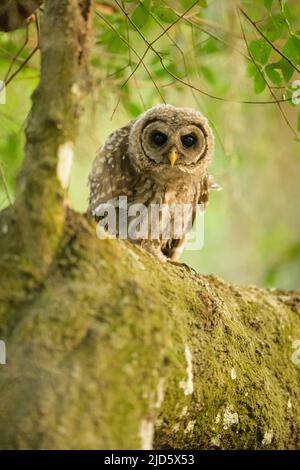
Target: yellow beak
<point>172,156</point>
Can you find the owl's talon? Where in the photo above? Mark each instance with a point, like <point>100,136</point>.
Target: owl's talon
<point>183,265</point>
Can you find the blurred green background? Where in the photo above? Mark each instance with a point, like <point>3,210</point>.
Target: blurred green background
<point>252,227</point>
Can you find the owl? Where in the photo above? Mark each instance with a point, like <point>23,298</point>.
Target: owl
<point>160,160</point>
<point>14,13</point>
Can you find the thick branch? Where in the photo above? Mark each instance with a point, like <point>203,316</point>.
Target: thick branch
<point>52,125</point>
<point>117,350</point>
<point>37,218</point>
<point>107,347</point>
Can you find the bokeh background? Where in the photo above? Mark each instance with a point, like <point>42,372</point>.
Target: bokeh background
<point>252,227</point>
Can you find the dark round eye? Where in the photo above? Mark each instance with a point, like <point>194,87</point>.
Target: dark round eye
<point>188,140</point>
<point>159,138</point>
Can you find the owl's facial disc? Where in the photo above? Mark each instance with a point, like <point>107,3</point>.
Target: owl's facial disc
<point>173,145</point>
<point>191,143</point>
<point>156,141</point>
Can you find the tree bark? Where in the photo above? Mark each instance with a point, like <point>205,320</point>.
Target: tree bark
<point>107,347</point>
<point>116,350</point>
<point>37,217</point>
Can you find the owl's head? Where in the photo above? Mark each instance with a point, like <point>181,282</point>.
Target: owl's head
<point>171,142</point>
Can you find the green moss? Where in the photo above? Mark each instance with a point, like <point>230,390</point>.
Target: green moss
<point>99,350</point>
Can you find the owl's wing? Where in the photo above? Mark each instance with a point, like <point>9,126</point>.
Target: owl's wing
<point>112,174</point>
<point>175,247</point>
<point>208,184</point>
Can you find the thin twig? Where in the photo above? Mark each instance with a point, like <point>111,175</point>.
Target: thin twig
<point>9,79</point>
<point>15,58</point>
<point>150,44</point>
<point>21,66</point>
<point>275,48</point>
<point>116,72</point>
<point>131,65</point>
<point>183,82</point>
<point>266,82</point>
<point>217,38</point>
<point>135,52</point>
<point>210,24</point>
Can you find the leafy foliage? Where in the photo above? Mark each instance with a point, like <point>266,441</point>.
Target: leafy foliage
<point>149,39</point>
<point>185,52</point>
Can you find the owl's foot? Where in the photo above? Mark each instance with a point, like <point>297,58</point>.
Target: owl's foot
<point>182,265</point>
<point>153,250</point>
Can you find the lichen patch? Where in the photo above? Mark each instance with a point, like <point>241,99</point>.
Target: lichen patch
<point>160,391</point>
<point>146,434</point>
<point>216,441</point>
<point>230,417</point>
<point>64,163</point>
<point>190,427</point>
<point>188,385</point>
<point>268,437</point>
<point>233,373</point>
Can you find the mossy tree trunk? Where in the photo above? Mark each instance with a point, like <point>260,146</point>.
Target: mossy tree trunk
<point>106,346</point>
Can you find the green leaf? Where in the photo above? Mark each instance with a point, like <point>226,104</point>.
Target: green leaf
<point>259,83</point>
<point>273,27</point>
<point>208,74</point>
<point>188,3</point>
<point>203,3</point>
<point>292,49</point>
<point>211,46</point>
<point>133,109</point>
<point>273,75</point>
<point>140,16</point>
<point>260,50</point>
<point>165,14</point>
<point>251,70</point>
<point>113,43</point>
<point>286,68</point>
<point>268,4</point>
<point>287,12</point>
<point>298,122</point>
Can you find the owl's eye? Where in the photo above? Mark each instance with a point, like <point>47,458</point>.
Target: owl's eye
<point>159,138</point>
<point>188,140</point>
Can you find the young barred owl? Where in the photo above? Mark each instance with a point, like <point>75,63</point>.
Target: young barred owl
<point>162,157</point>
<point>14,13</point>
